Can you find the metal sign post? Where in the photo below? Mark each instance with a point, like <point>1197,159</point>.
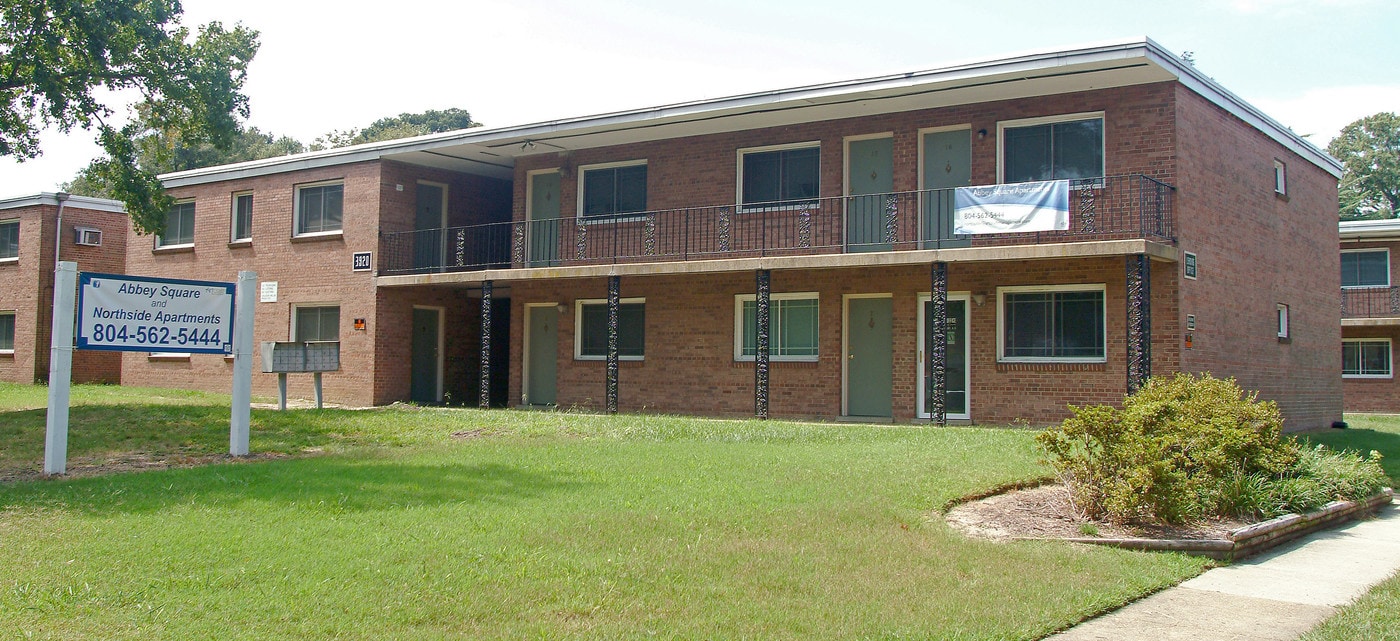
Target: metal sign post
<point>65,279</point>
<point>244,300</point>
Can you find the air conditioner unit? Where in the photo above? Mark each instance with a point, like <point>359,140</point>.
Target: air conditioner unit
<point>87,236</point>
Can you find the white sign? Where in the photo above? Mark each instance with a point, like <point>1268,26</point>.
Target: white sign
<point>141,314</point>
<point>1019,207</point>
<point>268,292</point>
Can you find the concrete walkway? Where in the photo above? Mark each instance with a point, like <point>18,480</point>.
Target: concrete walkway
<point>1274,596</point>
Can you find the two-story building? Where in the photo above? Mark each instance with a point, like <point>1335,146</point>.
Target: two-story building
<point>804,252</point>
<point>1370,315</point>
<point>89,231</point>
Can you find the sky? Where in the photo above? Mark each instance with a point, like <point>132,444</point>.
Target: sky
<point>1313,65</point>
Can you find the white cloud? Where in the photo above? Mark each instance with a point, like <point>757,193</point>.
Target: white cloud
<point>1321,113</point>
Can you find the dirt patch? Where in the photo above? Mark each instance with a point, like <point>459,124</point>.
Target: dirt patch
<point>477,433</point>
<point>1046,512</point>
<point>137,462</point>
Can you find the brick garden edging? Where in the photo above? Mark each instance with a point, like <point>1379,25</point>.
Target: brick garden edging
<point>1258,537</point>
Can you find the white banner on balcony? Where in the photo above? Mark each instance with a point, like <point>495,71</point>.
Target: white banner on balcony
<point>1020,207</point>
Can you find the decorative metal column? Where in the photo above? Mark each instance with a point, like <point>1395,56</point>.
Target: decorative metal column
<point>485,401</point>
<point>614,307</point>
<point>1139,321</point>
<point>760,356</point>
<point>937,346</point>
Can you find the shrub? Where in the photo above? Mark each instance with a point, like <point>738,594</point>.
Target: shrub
<point>1184,448</point>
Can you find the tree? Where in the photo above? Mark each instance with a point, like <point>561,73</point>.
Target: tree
<point>1370,153</point>
<point>63,59</point>
<point>404,125</point>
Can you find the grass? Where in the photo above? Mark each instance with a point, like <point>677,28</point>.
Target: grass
<point>543,525</point>
<point>1366,432</point>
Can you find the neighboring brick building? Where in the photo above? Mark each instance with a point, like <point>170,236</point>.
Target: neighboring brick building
<point>818,220</point>
<point>1370,315</point>
<point>93,235</point>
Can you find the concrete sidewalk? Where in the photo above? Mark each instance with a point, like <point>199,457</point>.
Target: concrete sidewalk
<point>1275,596</point>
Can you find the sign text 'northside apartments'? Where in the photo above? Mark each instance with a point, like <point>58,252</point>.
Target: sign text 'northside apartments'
<point>132,313</point>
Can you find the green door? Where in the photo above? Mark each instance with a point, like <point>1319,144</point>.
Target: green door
<point>955,379</point>
<point>427,225</point>
<point>947,165</point>
<point>869,357</point>
<point>870,164</point>
<point>544,219</point>
<point>544,348</point>
<point>426,354</point>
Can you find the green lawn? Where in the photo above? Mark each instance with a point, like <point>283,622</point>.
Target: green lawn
<point>541,525</point>
<point>1376,616</point>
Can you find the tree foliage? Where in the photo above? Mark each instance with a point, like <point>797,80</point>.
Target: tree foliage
<point>1370,153</point>
<point>405,125</point>
<point>65,60</point>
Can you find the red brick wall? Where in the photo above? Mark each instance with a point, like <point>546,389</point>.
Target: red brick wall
<point>1373,394</point>
<point>26,287</point>
<point>690,367</point>
<point>1256,250</point>
<point>307,271</point>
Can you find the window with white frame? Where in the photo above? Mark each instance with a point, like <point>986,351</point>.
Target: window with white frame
<point>1280,177</point>
<point>1054,148</point>
<point>613,190</point>
<point>179,226</point>
<point>780,176</point>
<point>1366,268</point>
<point>1282,320</point>
<point>7,332</point>
<point>1058,323</point>
<point>316,323</point>
<point>9,240</point>
<point>319,208</point>
<point>1366,358</point>
<point>792,327</point>
<point>242,217</point>
<point>591,329</point>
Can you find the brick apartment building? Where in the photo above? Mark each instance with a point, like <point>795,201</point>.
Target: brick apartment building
<point>1370,315</point>
<point>93,233</point>
<point>793,253</point>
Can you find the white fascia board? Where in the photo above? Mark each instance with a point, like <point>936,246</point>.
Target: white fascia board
<point>1211,90</point>
<point>76,202</point>
<point>1369,229</point>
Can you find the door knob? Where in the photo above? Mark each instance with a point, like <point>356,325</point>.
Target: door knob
<point>851,357</point>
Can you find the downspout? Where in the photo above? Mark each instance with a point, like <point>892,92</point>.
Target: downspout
<point>61,197</point>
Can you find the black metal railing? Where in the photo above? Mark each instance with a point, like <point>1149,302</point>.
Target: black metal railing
<point>1370,302</point>
<point>1109,208</point>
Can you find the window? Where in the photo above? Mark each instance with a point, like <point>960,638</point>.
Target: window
<point>792,324</point>
<point>242,217</point>
<point>1280,178</point>
<point>319,323</point>
<point>1366,358</point>
<point>318,208</point>
<point>785,176</point>
<point>591,329</point>
<point>1052,323</point>
<point>1062,147</point>
<point>9,240</point>
<point>179,226</point>
<point>7,332</point>
<point>613,190</point>
<point>1366,268</point>
<point>1282,320</point>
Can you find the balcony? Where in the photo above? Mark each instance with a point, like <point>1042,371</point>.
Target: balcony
<point>1371,302</point>
<point>1101,209</point>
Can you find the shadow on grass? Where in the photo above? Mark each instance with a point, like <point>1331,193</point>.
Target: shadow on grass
<point>1363,441</point>
<point>332,484</point>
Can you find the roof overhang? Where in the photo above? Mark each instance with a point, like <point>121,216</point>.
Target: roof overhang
<point>1363,230</point>
<point>492,151</point>
<point>77,202</point>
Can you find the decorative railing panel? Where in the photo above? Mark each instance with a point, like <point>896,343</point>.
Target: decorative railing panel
<point>1110,208</point>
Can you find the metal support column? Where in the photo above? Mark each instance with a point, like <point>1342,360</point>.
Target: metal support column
<point>614,308</point>
<point>1139,321</point>
<point>937,346</point>
<point>485,383</point>
<point>761,349</point>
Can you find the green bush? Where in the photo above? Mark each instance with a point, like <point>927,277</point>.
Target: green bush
<point>1185,448</point>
